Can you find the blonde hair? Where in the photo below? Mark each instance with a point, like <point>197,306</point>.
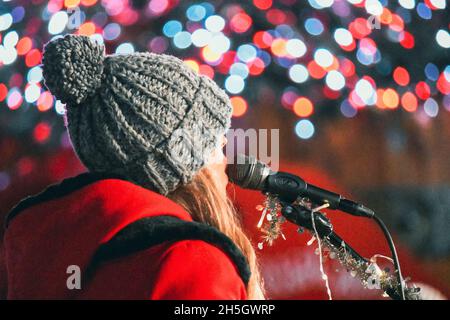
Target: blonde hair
<point>207,204</point>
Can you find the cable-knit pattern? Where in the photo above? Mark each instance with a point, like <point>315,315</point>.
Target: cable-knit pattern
<point>143,115</point>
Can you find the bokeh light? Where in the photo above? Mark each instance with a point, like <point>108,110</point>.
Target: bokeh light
<point>304,129</point>
<point>330,52</point>
<point>303,107</point>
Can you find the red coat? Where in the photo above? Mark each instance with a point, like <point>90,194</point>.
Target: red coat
<point>45,237</point>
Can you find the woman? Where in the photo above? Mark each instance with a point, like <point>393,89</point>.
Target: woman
<point>151,218</point>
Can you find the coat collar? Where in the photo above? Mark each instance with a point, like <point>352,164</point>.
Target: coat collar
<point>99,183</point>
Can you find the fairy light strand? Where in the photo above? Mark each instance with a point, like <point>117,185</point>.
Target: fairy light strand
<point>316,234</point>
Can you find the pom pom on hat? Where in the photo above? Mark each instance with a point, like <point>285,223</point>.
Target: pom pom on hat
<point>73,67</point>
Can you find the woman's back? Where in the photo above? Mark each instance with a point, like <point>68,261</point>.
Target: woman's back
<point>52,240</point>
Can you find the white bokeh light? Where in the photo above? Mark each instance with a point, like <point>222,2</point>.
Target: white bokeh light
<point>323,58</point>
<point>234,84</point>
<point>322,3</point>
<point>10,39</point>
<point>296,48</point>
<point>215,23</point>
<point>219,43</point>
<point>6,21</point>
<point>407,4</point>
<point>443,38</point>
<point>125,48</point>
<point>201,37</point>
<point>7,55</point>
<point>364,90</point>
<point>298,73</point>
<point>373,7</point>
<point>304,129</point>
<point>58,22</point>
<point>439,4</point>
<point>343,37</point>
<point>335,80</point>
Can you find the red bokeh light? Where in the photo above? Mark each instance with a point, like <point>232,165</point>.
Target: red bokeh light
<point>33,58</point>
<point>206,70</point>
<point>276,16</point>
<point>241,22</point>
<point>331,94</point>
<point>3,91</point>
<point>25,166</point>
<point>423,90</point>
<point>359,28</point>
<point>42,132</point>
<point>262,4</point>
<point>401,76</point>
<point>347,68</point>
<point>443,85</point>
<point>316,71</point>
<point>262,39</point>
<point>350,47</point>
<point>227,60</point>
<point>256,66</point>
<point>407,40</point>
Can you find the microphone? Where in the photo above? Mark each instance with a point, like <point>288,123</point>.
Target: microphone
<point>249,173</point>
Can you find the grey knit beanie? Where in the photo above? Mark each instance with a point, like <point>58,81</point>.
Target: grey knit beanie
<point>145,116</point>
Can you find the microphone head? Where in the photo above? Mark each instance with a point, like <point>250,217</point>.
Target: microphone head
<point>247,172</point>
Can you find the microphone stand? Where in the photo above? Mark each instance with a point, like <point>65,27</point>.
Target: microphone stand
<point>303,216</point>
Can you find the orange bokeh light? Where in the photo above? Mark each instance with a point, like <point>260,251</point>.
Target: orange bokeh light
<point>209,55</point>
<point>192,64</point>
<point>278,47</point>
<point>87,29</point>
<point>390,98</point>
<point>316,71</point>
<point>409,102</point>
<point>303,107</point>
<point>380,103</point>
<point>71,3</point>
<point>24,45</point>
<point>88,3</point>
<point>397,23</point>
<point>239,106</point>
<point>45,101</point>
<point>386,16</point>
<point>333,66</point>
